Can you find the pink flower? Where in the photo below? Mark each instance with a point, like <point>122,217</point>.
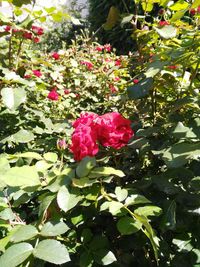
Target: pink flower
<point>55,55</point>
<point>99,48</point>
<point>36,40</point>
<point>118,62</point>
<point>86,118</point>
<point>88,64</point>
<point>172,67</point>
<point>27,76</point>
<point>163,23</point>
<point>107,47</point>
<point>135,81</point>
<point>113,130</point>
<point>67,91</point>
<point>37,30</point>
<point>113,88</point>
<point>83,142</point>
<point>37,73</point>
<point>116,79</point>
<point>61,144</point>
<point>198,9</point>
<point>7,28</point>
<point>27,35</point>
<point>53,95</point>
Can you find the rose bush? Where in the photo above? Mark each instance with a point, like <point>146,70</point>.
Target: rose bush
<point>130,195</point>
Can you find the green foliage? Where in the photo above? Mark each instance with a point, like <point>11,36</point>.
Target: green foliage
<point>137,206</point>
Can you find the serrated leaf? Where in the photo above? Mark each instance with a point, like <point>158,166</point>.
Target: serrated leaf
<point>85,166</point>
<point>23,233</point>
<point>112,19</point>
<point>148,211</point>
<point>104,257</point>
<point>127,226</point>
<point>24,176</point>
<point>54,229</point>
<point>115,207</point>
<point>121,193</point>
<point>105,171</point>
<point>51,251</point>
<point>67,200</point>
<point>23,136</point>
<point>12,98</point>
<point>140,89</point>
<point>136,199</point>
<point>33,155</point>
<point>50,156</point>
<point>15,255</point>
<point>166,32</point>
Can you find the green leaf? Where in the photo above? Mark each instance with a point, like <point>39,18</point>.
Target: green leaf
<point>178,15</point>
<point>50,156</point>
<point>28,155</point>
<point>179,5</point>
<point>121,193</point>
<point>86,259</point>
<point>67,200</point>
<point>126,19</point>
<point>51,251</point>
<point>179,154</point>
<point>23,233</point>
<point>127,226</point>
<point>23,136</point>
<point>24,176</point>
<point>115,207</point>
<point>148,211</point>
<point>12,98</point>
<point>15,255</point>
<point>4,165</point>
<point>195,4</point>
<point>168,221</point>
<point>7,214</point>
<point>112,19</point>
<point>45,203</point>
<point>181,131</point>
<point>154,68</point>
<point>140,89</point>
<point>85,166</point>
<point>136,199</point>
<point>105,171</point>
<point>166,32</point>
<point>104,257</point>
<point>54,229</point>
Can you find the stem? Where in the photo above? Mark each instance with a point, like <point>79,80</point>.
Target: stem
<point>125,5</point>
<point>194,75</point>
<point>10,51</point>
<point>18,53</point>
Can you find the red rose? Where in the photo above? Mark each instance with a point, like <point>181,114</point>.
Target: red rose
<point>113,88</point>
<point>99,48</point>
<point>37,30</point>
<point>192,11</point>
<point>37,73</point>
<point>172,67</point>
<point>27,35</point>
<point>86,118</point>
<point>88,64</point>
<point>53,95</point>
<point>163,23</point>
<point>118,62</point>
<point>83,142</point>
<point>135,81</point>
<point>36,40</point>
<point>27,76</point>
<point>7,28</point>
<point>107,47</point>
<point>67,91</point>
<point>113,130</point>
<point>55,55</point>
